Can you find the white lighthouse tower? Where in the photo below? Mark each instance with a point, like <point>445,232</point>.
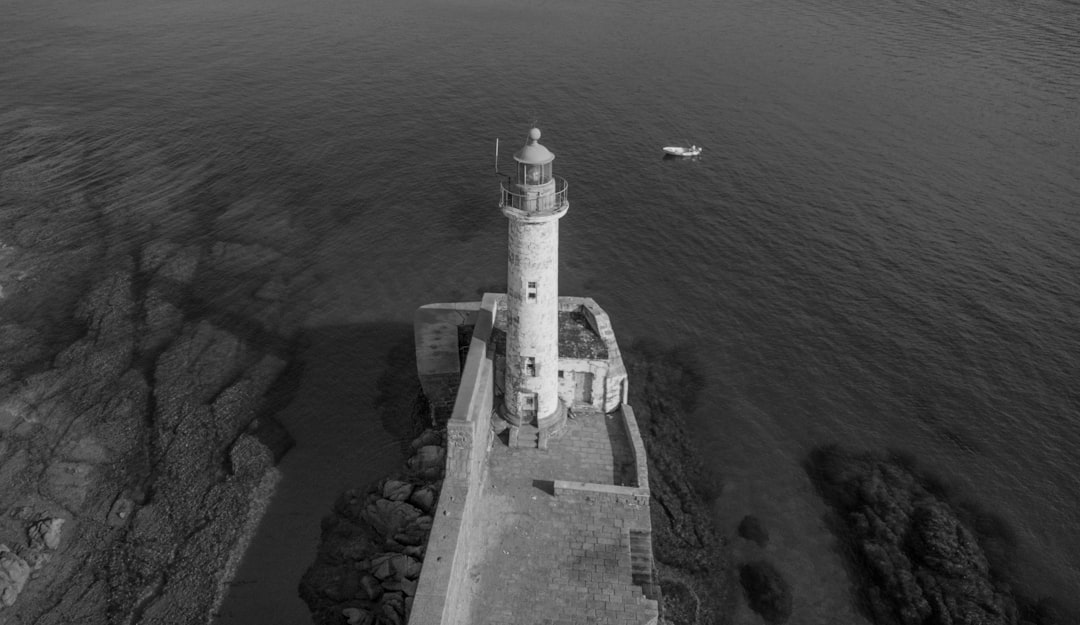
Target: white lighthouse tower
<point>533,203</point>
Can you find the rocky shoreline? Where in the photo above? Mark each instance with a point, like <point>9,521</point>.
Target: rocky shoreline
<point>147,337</point>
<point>372,546</point>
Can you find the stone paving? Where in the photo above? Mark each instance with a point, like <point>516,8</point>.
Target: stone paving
<point>547,560</point>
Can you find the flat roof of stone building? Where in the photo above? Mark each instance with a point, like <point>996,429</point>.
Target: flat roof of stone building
<point>559,560</point>
<point>577,339</point>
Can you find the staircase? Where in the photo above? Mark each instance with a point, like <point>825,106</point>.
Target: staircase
<point>643,571</point>
<point>526,436</point>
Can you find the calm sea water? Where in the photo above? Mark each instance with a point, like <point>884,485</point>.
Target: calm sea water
<point>879,246</point>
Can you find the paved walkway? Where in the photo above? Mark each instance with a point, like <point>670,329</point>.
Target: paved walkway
<point>564,560</point>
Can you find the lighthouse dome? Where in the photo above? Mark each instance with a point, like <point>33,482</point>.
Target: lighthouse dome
<point>533,153</point>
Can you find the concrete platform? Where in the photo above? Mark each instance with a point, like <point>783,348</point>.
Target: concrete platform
<point>569,559</point>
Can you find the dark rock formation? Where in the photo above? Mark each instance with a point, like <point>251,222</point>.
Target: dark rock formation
<point>751,528</point>
<point>136,362</point>
<point>767,592</point>
<point>372,546</point>
<point>914,555</point>
<point>693,558</point>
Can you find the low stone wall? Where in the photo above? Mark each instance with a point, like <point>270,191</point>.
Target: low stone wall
<point>439,596</point>
<point>638,445</point>
<point>630,495</point>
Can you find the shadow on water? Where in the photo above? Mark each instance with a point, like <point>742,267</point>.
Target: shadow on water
<point>350,417</point>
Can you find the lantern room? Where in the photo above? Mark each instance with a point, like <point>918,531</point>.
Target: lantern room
<point>535,190</point>
<point>533,161</point>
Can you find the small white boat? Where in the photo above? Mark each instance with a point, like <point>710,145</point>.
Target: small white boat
<point>693,150</point>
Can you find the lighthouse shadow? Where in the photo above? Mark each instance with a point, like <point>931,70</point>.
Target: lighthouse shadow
<point>350,414</point>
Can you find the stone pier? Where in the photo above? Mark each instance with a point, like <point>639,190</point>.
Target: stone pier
<point>554,533</point>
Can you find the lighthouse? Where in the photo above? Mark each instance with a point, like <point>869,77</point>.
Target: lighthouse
<point>533,203</point>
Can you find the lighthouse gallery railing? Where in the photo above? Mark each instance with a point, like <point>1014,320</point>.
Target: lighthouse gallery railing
<point>544,199</point>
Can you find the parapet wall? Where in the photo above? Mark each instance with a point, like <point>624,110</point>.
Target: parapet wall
<point>440,597</point>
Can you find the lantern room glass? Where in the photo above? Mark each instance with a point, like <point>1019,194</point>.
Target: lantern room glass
<point>534,174</point>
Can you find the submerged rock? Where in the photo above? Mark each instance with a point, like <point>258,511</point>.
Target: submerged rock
<point>751,528</point>
<point>768,593</point>
<point>357,616</point>
<point>924,565</point>
<point>14,571</point>
<point>45,533</point>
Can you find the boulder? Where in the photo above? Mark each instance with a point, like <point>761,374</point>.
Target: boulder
<point>396,490</point>
<point>370,588</point>
<point>381,568</point>
<point>404,586</point>
<point>767,592</point>
<point>409,539</point>
<point>14,571</point>
<point>120,511</point>
<point>45,533</point>
<point>428,458</point>
<point>427,437</point>
<point>391,616</point>
<point>394,601</point>
<point>357,616</point>
<point>751,528</point>
<point>387,517</point>
<point>272,435</point>
<point>404,567</point>
<point>248,456</point>
<point>415,533</point>
<point>424,499</point>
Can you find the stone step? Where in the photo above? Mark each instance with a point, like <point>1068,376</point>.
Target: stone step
<point>524,436</point>
<point>642,568</point>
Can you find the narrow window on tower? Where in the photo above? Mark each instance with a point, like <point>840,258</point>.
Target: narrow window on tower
<point>560,374</point>
<point>530,366</point>
<point>531,291</point>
